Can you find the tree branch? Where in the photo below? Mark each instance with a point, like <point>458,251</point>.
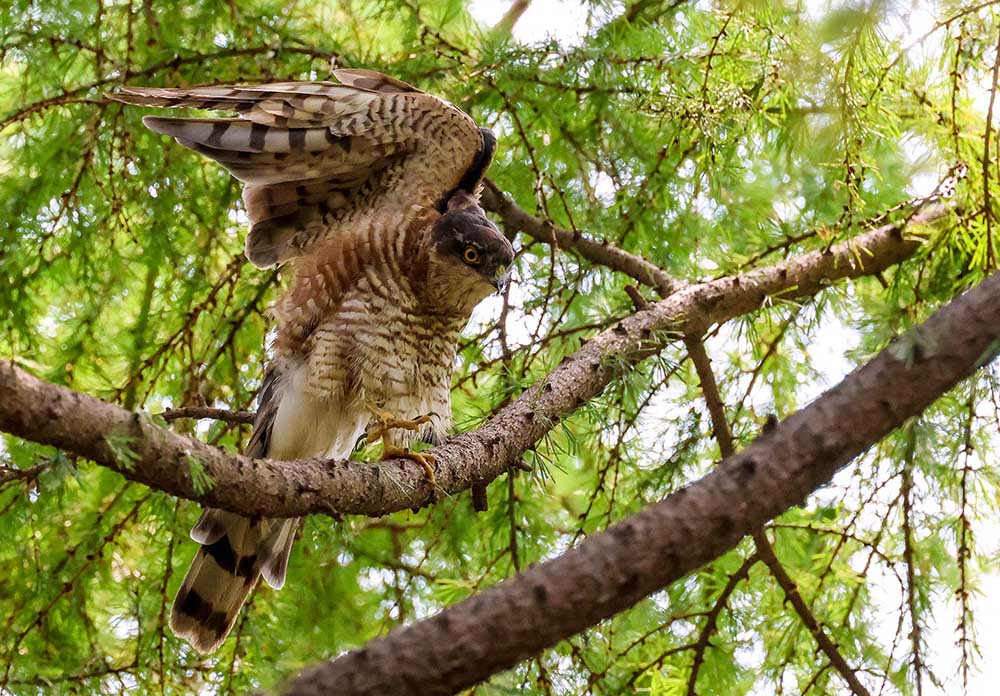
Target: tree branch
<point>825,643</point>
<point>710,392</point>
<point>88,427</point>
<point>280,489</point>
<point>906,489</point>
<point>601,253</point>
<point>720,426</point>
<point>8,474</point>
<point>511,16</point>
<point>712,619</point>
<point>222,414</point>
<point>611,570</point>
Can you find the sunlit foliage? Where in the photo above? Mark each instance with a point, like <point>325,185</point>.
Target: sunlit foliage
<point>706,137</point>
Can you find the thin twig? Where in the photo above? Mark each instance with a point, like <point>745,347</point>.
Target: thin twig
<point>200,412</point>
<point>720,426</point>
<point>792,595</point>
<point>712,619</point>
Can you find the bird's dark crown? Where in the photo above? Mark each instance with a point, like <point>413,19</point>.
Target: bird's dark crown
<point>464,232</point>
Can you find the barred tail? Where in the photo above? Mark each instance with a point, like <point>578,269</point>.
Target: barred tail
<point>235,551</point>
<point>224,571</point>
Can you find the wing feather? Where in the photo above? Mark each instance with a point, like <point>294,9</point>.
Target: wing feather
<point>314,155</point>
<point>375,81</point>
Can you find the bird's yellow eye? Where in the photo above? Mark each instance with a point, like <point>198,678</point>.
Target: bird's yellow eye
<point>471,255</point>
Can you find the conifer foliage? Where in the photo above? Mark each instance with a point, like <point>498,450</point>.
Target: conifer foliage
<point>719,209</point>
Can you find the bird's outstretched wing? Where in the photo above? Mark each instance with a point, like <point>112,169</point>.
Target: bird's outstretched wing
<point>313,155</point>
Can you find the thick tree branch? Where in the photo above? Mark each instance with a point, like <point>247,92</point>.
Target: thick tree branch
<point>222,414</point>
<point>611,570</point>
<point>720,427</point>
<point>94,429</point>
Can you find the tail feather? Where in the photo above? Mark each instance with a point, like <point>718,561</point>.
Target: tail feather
<point>221,576</point>
<point>212,525</point>
<point>275,549</point>
<point>235,552</point>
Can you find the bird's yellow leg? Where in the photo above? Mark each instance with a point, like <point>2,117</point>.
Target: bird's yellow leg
<point>422,458</point>
<point>384,422</point>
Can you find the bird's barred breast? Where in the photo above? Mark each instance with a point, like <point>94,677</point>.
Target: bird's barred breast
<point>357,330</point>
<point>381,350</point>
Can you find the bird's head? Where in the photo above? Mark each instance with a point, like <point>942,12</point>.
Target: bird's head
<point>471,257</point>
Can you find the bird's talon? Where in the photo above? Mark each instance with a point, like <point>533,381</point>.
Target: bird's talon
<point>383,423</point>
<point>427,461</point>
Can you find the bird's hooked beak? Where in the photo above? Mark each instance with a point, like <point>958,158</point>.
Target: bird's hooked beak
<point>501,277</point>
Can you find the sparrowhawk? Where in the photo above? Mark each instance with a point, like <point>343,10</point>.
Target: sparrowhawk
<point>367,191</point>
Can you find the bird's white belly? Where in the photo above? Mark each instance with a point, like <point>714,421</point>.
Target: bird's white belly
<point>310,426</point>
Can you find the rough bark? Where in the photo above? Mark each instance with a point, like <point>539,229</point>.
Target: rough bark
<point>765,552</point>
<point>88,427</point>
<point>222,414</point>
<point>613,569</point>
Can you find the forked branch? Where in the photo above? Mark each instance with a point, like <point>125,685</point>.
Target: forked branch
<point>144,452</point>
<point>611,570</point>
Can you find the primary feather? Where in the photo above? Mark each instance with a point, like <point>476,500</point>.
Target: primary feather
<point>312,154</point>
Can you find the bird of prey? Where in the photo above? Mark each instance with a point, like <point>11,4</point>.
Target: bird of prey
<point>367,190</point>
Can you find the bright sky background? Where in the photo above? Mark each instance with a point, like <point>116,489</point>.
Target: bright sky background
<point>569,21</point>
